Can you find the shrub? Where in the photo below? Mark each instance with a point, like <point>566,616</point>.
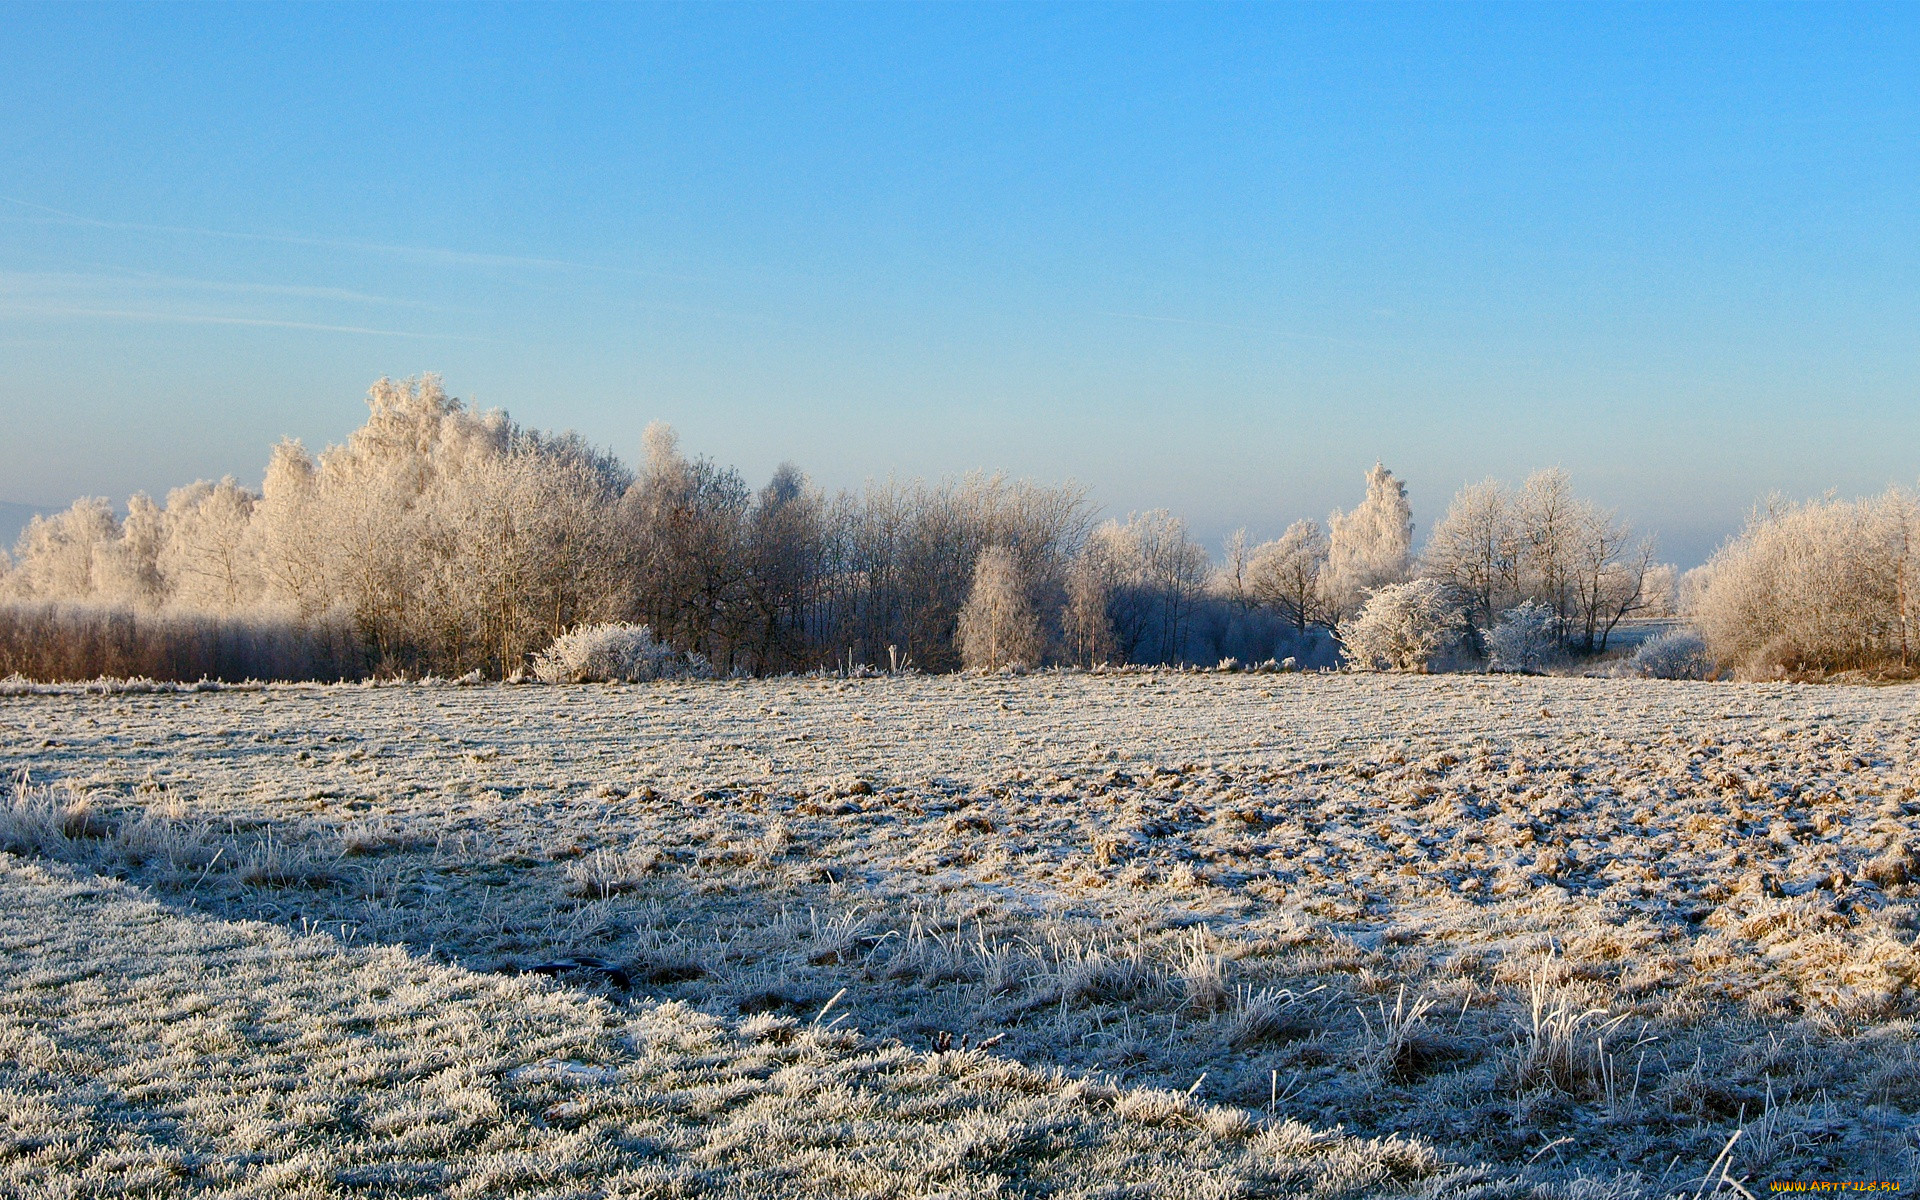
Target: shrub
<point>1404,627</point>
<point>55,642</point>
<point>1676,654</point>
<point>614,653</point>
<point>1816,587</point>
<point>1527,638</point>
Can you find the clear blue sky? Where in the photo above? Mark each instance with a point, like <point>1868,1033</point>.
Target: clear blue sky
<point>1216,259</point>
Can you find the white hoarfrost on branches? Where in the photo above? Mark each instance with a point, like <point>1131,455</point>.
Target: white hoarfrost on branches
<point>1287,575</point>
<point>440,540</point>
<point>1156,575</point>
<point>998,627</point>
<point>1086,627</point>
<point>614,653</point>
<point>1499,548</point>
<point>1830,585</point>
<point>1676,654</point>
<point>1371,546</point>
<point>1404,627</point>
<point>207,558</point>
<point>1525,639</point>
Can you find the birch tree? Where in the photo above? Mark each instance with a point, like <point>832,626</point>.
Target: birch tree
<point>997,625</point>
<point>1370,546</point>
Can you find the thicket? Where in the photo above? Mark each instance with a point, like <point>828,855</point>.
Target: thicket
<point>441,540</point>
<point>56,642</point>
<point>1541,547</point>
<point>1809,589</point>
<point>1515,579</point>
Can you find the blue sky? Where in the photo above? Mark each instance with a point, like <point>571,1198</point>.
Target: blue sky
<point>1211,258</point>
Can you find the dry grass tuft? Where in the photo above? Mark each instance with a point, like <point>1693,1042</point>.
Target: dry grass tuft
<point>1273,1014</point>
<point>1095,971</point>
<point>1397,1041</point>
<point>1203,976</point>
<point>604,874</point>
<point>1563,1046</point>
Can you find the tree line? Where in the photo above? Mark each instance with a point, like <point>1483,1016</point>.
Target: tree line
<point>443,540</point>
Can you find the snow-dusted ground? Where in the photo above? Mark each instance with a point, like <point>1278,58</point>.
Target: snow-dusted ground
<point>146,1053</point>
<point>1567,927</point>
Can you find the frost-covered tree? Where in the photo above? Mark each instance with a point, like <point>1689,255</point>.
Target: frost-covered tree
<point>64,556</point>
<point>1543,545</point>
<point>453,539</point>
<point>293,554</point>
<point>686,525</point>
<point>1404,627</point>
<point>1232,581</point>
<point>1662,588</point>
<point>785,543</point>
<point>133,578</point>
<point>371,506</point>
<point>1286,575</point>
<point>1610,576</point>
<point>207,559</point>
<point>516,548</point>
<point>1549,519</point>
<point>1371,546</point>
<point>998,626</point>
<point>1578,559</point>
<point>892,565</point>
<point>1086,626</point>
<point>1157,574</point>
<point>1475,549</point>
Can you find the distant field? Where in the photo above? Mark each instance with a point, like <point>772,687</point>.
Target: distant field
<point>1571,929</point>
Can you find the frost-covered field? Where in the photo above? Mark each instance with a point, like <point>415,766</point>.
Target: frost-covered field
<point>1562,927</point>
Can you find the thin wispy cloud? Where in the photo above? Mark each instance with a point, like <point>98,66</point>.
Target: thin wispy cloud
<point>109,314</point>
<point>1264,331</point>
<point>163,299</point>
<point>432,254</point>
<point>147,282</point>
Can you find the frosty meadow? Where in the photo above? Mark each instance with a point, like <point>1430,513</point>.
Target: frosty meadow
<point>1121,933</point>
<point>603,832</point>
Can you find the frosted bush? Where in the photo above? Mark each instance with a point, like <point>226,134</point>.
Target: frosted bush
<point>614,653</point>
<point>1817,587</point>
<point>1676,654</point>
<point>1526,639</point>
<point>1404,627</point>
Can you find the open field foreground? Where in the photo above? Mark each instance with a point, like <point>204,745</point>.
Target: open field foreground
<point>148,1053</point>
<point>1548,936</point>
